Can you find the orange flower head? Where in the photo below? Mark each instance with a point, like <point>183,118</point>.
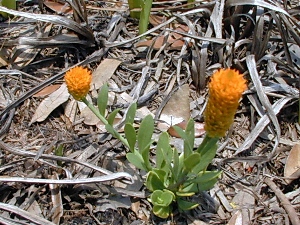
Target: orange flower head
<point>225,90</point>
<point>78,80</point>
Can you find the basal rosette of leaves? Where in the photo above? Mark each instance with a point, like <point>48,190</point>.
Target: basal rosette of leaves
<point>174,177</point>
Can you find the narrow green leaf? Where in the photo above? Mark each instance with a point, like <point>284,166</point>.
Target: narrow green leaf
<point>144,17</point>
<point>206,159</point>
<point>163,151</point>
<point>10,4</point>
<point>112,131</point>
<point>102,99</point>
<point>207,185</point>
<point>153,182</point>
<point>130,135</point>
<point>176,167</point>
<point>191,161</point>
<point>186,205</point>
<point>162,175</point>
<point>206,176</point>
<point>145,133</point>
<point>136,159</point>
<point>111,117</point>
<point>190,138</point>
<point>207,144</point>
<point>132,5</point>
<point>131,113</point>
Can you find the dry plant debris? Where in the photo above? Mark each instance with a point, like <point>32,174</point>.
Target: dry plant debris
<point>58,166</point>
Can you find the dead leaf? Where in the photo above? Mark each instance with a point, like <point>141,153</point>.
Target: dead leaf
<point>56,200</point>
<point>89,117</point>
<point>292,166</point>
<point>47,90</point>
<point>245,202</point>
<point>177,109</point>
<point>50,103</point>
<point>70,110</point>
<point>104,72</point>
<point>3,100</point>
<point>112,202</point>
<point>58,7</point>
<point>4,56</point>
<point>236,219</point>
<point>199,129</point>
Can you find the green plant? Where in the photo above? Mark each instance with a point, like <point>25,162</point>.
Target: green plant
<point>173,177</point>
<point>143,15</point>
<point>10,4</point>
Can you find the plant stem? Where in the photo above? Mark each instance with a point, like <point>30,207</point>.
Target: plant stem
<point>103,120</point>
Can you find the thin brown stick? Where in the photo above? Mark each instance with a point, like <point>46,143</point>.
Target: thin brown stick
<point>284,202</point>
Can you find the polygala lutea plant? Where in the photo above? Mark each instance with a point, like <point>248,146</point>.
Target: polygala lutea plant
<point>174,177</point>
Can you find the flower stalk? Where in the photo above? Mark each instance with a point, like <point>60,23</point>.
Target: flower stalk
<point>105,122</point>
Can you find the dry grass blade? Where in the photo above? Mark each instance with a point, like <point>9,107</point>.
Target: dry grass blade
<point>59,20</point>
<point>56,198</point>
<point>46,42</point>
<point>66,159</point>
<point>274,6</point>
<point>261,124</point>
<point>104,178</point>
<point>22,213</point>
<point>250,60</point>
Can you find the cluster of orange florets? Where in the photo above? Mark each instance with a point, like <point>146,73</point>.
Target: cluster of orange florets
<point>225,90</point>
<point>78,82</point>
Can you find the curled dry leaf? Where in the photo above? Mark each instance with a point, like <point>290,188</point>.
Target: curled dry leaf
<point>292,166</point>
<point>58,7</point>
<point>199,129</point>
<point>104,72</point>
<point>50,103</point>
<point>47,90</point>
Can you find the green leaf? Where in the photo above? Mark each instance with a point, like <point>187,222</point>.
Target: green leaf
<point>207,144</point>
<point>145,133</point>
<point>136,159</point>
<point>145,14</point>
<point>130,135</point>
<point>191,161</point>
<point>207,185</point>
<point>184,194</point>
<point>206,176</point>
<point>163,175</point>
<point>10,4</point>
<point>188,187</point>
<point>131,113</point>
<point>206,159</point>
<point>162,197</point>
<point>59,151</point>
<point>186,205</point>
<point>176,167</point>
<point>163,152</point>
<point>111,117</point>
<point>188,137</point>
<point>161,211</point>
<point>102,99</point>
<point>132,5</point>
<point>153,182</point>
<point>112,131</point>
<point>144,138</point>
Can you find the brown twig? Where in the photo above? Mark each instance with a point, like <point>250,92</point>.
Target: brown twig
<point>284,202</point>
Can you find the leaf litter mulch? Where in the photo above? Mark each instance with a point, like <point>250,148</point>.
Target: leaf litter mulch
<point>167,76</point>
